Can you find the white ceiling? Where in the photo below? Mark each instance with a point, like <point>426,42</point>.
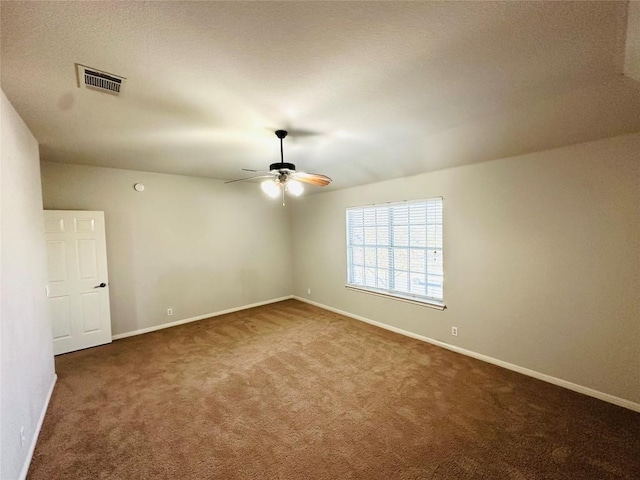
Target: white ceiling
<point>369,90</point>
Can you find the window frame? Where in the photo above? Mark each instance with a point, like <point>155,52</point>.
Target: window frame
<point>432,301</point>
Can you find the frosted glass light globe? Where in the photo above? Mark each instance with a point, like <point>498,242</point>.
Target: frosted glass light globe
<point>270,188</point>
<point>295,188</point>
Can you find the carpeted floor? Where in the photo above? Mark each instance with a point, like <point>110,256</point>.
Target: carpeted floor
<point>290,391</point>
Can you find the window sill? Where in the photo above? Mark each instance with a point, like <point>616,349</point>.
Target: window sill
<point>394,296</point>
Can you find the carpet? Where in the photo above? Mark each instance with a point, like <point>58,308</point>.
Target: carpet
<point>292,391</point>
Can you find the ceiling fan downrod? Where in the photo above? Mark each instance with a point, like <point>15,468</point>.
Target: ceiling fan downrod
<point>282,165</point>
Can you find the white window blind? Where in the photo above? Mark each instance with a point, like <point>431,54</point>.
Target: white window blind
<point>396,249</point>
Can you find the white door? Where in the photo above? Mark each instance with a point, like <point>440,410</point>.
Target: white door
<point>77,283</point>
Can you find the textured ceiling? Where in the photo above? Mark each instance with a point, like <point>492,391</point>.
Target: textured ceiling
<point>369,90</point>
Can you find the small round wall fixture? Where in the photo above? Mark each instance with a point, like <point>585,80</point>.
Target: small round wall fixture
<point>138,187</point>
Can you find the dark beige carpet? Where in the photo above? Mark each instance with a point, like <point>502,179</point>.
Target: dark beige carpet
<point>290,391</point>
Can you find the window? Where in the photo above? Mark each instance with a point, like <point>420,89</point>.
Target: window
<point>396,249</point>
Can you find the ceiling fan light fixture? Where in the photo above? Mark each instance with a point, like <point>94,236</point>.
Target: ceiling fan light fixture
<point>294,187</point>
<point>285,178</point>
<point>271,188</point>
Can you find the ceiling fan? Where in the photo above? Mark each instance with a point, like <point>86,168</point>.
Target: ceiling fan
<point>284,177</point>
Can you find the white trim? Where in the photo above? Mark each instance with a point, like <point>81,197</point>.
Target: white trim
<point>36,434</point>
<point>199,317</point>
<point>435,304</point>
<point>621,402</point>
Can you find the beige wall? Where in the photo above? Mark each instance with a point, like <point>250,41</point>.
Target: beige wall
<point>26,353</point>
<point>541,264</point>
<point>191,244</point>
<point>542,261</point>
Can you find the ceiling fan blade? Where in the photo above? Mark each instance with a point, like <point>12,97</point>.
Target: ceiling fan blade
<point>248,178</point>
<point>312,178</point>
<point>254,171</point>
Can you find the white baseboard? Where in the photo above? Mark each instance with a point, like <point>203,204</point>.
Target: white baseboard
<point>199,317</point>
<point>510,366</point>
<point>36,434</point>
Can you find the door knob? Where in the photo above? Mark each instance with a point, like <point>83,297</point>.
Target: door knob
<point>102,285</point>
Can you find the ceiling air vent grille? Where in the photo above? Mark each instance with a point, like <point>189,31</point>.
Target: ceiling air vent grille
<point>100,80</point>
<point>95,79</point>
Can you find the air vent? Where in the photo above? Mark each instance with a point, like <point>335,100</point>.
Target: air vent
<point>95,79</point>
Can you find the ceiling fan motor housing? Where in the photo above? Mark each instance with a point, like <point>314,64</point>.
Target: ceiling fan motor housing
<point>282,166</point>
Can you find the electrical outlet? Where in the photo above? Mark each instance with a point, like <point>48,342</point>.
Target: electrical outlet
<point>169,311</point>
<point>308,291</point>
<point>23,439</point>
<point>454,331</point>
